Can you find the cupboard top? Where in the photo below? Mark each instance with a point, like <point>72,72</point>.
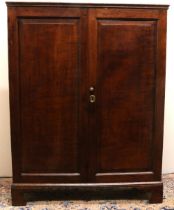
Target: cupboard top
<point>86,5</point>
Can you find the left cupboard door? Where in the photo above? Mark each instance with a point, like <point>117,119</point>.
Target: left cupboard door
<point>46,54</point>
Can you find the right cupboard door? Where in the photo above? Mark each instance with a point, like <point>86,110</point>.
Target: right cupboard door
<point>128,84</point>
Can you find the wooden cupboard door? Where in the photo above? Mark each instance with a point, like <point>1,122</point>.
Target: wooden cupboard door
<point>124,73</point>
<point>49,88</point>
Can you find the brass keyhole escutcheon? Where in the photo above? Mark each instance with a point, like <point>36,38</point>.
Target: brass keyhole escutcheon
<point>92,98</point>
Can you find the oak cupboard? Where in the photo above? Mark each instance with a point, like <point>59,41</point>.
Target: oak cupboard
<point>86,97</point>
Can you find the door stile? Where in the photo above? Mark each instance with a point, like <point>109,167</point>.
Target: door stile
<point>92,53</point>
<point>83,98</point>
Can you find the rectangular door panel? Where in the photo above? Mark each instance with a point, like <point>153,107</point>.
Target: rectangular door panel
<point>49,96</point>
<point>125,94</point>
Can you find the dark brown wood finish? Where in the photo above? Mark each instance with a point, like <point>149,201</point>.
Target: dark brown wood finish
<point>124,69</point>
<point>59,55</point>
<point>46,77</point>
